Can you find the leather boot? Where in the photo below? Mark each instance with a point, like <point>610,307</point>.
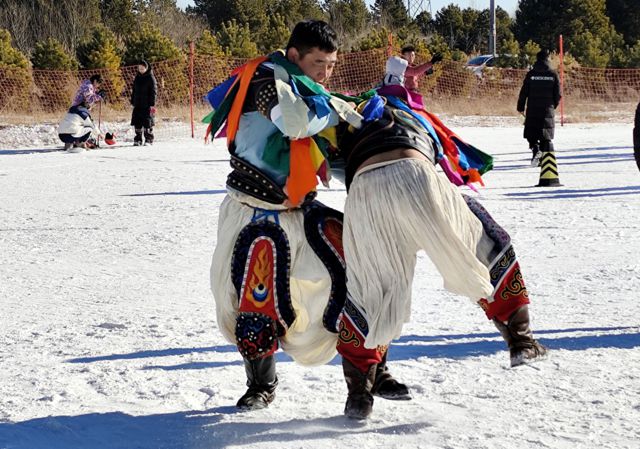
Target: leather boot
<point>386,386</point>
<point>517,333</point>
<point>359,400</point>
<point>262,382</point>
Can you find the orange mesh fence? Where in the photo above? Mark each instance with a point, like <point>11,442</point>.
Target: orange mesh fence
<point>45,91</point>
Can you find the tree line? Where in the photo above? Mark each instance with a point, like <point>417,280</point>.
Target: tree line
<point>71,34</point>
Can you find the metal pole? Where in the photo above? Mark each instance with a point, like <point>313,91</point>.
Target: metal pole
<point>561,55</point>
<point>191,55</point>
<point>492,26</point>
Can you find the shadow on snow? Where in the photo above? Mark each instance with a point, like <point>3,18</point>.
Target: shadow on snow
<point>195,192</point>
<point>409,347</point>
<point>559,193</point>
<point>181,430</point>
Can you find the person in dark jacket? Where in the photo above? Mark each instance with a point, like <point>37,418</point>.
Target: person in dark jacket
<point>541,93</point>
<point>143,100</point>
<point>636,137</point>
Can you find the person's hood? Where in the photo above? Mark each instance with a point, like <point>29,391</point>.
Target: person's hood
<point>541,66</point>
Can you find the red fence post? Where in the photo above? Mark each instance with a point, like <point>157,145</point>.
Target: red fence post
<point>561,81</point>
<point>389,45</point>
<point>191,56</point>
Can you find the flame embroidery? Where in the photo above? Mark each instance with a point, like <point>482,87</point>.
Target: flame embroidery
<point>259,286</point>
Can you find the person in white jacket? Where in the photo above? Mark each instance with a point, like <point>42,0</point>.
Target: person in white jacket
<point>77,130</point>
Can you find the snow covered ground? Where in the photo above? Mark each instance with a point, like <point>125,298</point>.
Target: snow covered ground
<point>108,336</point>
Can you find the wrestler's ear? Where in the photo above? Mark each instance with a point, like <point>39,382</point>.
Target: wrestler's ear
<point>293,55</point>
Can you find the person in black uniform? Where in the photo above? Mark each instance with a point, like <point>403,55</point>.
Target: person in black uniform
<point>636,137</point>
<point>143,100</point>
<point>541,93</point>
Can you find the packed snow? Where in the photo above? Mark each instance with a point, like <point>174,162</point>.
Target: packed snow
<point>108,335</point>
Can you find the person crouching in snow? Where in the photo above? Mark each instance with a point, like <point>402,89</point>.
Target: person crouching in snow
<point>77,130</point>
<point>143,100</point>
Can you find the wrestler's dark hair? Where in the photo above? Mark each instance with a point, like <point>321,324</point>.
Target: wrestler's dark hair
<point>310,34</point>
<point>97,78</point>
<point>407,49</point>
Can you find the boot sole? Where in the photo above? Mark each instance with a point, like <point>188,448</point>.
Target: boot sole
<point>394,397</point>
<point>522,361</point>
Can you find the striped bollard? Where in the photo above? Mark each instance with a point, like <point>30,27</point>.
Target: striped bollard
<point>548,170</point>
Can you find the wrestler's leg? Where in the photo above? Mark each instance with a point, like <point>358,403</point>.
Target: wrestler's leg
<point>508,304</point>
<point>243,277</point>
<point>380,267</point>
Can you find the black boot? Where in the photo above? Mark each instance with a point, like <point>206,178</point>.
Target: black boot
<point>359,400</point>
<point>262,382</point>
<point>137,139</point>
<point>517,333</point>
<point>536,155</point>
<point>386,386</point>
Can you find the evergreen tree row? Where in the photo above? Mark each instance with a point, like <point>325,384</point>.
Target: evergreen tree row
<point>71,34</point>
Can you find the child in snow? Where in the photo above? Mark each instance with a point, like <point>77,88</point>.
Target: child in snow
<point>88,92</point>
<point>143,100</point>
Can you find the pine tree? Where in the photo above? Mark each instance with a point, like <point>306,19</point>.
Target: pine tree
<point>275,36</point>
<point>236,40</point>
<point>625,16</point>
<point>119,16</point>
<point>9,56</point>
<point>577,20</point>
<point>349,18</point>
<point>424,22</point>
<point>391,13</point>
<point>55,78</point>
<point>101,51</point>
<point>208,45</point>
<point>14,67</point>
<point>50,54</point>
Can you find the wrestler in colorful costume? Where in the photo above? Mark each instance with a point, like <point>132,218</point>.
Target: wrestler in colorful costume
<point>398,204</point>
<point>277,273</point>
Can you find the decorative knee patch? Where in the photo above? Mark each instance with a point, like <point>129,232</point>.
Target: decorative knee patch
<point>260,273</point>
<point>509,292</point>
<point>256,335</point>
<point>352,333</point>
<point>323,229</point>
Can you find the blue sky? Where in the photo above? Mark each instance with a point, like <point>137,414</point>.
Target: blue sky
<point>509,5</point>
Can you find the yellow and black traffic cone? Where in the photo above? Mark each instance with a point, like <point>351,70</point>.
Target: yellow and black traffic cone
<point>548,170</point>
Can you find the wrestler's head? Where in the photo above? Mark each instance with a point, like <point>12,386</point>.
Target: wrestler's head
<point>313,46</point>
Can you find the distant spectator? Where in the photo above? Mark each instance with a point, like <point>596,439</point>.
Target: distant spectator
<point>541,93</point>
<point>88,92</point>
<point>143,100</point>
<point>636,137</point>
<point>77,130</point>
<point>400,71</point>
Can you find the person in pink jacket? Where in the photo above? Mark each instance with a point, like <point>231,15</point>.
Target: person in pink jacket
<point>408,74</point>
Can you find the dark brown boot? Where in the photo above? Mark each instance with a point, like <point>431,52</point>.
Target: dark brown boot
<point>517,333</point>
<point>359,400</point>
<point>385,386</point>
<point>262,382</point>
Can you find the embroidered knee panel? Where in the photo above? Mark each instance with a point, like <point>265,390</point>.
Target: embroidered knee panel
<point>323,229</point>
<point>260,269</point>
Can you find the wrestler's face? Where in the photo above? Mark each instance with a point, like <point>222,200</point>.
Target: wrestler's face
<point>409,56</point>
<point>317,64</point>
